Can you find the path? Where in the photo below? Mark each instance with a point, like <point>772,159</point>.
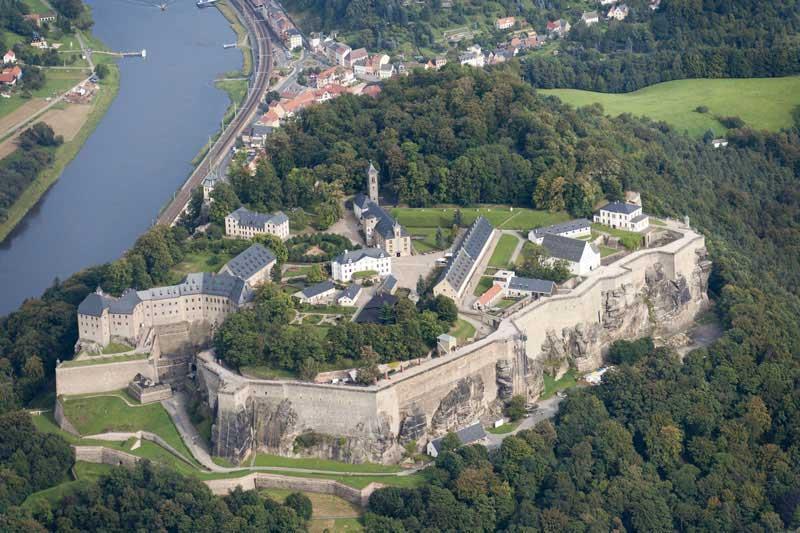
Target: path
<point>547,409</point>
<point>518,248</point>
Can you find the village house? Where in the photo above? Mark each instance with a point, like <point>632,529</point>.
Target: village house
<point>350,263</point>
<point>575,229</point>
<point>358,56</point>
<point>40,43</point>
<point>719,143</point>
<point>590,17</point>
<point>466,257</point>
<point>338,53</point>
<point>9,58</point>
<point>618,12</point>
<point>10,76</point>
<point>254,265</point>
<point>622,215</point>
<point>506,284</point>
<point>38,19</point>
<point>316,294</point>
<point>246,224</point>
<point>582,257</point>
<point>473,57</point>
<point>349,296</point>
<point>504,23</point>
<point>558,28</point>
<point>294,39</point>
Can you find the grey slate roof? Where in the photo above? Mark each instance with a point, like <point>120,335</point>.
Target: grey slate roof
<point>468,251</point>
<point>466,435</point>
<point>203,283</point>
<point>389,283</point>
<point>639,218</point>
<point>371,312</point>
<point>621,207</point>
<point>539,286</point>
<point>355,256</point>
<point>557,229</point>
<point>351,292</point>
<point>564,247</point>
<point>245,217</point>
<point>319,288</point>
<point>361,200</point>
<point>386,222</point>
<point>95,303</point>
<point>125,304</point>
<point>252,260</point>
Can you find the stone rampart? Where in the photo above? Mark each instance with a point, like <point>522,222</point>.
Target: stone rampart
<point>102,377</point>
<point>106,456</point>
<point>273,481</point>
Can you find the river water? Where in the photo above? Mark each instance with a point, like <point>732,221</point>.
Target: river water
<point>140,153</point>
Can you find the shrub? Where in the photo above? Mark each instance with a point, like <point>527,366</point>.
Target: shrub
<point>629,352</point>
<point>301,504</point>
<point>701,109</point>
<point>731,122</point>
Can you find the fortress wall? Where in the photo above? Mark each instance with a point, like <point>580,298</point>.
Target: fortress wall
<point>102,377</point>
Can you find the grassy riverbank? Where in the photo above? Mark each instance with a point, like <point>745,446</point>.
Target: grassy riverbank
<point>109,87</point>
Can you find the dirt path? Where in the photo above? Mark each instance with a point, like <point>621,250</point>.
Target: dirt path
<point>19,114</point>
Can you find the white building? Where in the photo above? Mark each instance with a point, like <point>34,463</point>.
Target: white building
<point>622,215</point>
<point>377,260</point>
<point>320,293</point>
<point>349,296</point>
<point>504,23</point>
<point>574,229</point>
<point>581,256</point>
<point>590,17</point>
<point>246,224</point>
<point>618,12</point>
<point>473,57</point>
<point>9,58</point>
<point>294,39</point>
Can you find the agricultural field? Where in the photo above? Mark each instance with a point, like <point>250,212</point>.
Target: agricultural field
<point>763,103</point>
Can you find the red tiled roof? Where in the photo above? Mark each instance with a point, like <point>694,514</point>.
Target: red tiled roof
<point>489,295</point>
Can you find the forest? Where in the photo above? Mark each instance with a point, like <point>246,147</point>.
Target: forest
<point>708,443</point>
<point>18,170</point>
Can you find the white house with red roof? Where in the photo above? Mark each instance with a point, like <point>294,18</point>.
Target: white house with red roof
<point>10,58</point>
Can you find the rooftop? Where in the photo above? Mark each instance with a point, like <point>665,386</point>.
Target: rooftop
<point>539,286</point>
<point>357,255</point>
<point>620,207</point>
<point>351,292</point>
<point>319,288</point>
<point>466,435</point>
<point>457,271</point>
<point>564,247</point>
<point>245,217</point>
<point>564,227</point>
<point>251,261</point>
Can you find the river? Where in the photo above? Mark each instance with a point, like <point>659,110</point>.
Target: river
<point>139,154</point>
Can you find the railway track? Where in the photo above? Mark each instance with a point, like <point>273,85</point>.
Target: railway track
<point>262,51</point>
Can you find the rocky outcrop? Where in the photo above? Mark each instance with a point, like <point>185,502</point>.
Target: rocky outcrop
<point>275,425</point>
<point>504,371</point>
<point>375,443</point>
<point>413,426</point>
<point>577,347</point>
<point>232,434</point>
<point>460,406</point>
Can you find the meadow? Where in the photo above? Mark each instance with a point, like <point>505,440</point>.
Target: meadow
<point>763,103</point>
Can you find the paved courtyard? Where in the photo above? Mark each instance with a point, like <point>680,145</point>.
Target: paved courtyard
<point>408,269</point>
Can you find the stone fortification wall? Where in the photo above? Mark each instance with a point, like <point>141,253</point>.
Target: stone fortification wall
<point>62,420</point>
<point>648,292</point>
<point>221,487</point>
<point>103,455</point>
<point>102,377</point>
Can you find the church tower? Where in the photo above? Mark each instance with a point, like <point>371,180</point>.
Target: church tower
<point>372,182</point>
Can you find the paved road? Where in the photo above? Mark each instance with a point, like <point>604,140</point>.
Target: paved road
<point>547,409</point>
<point>227,140</point>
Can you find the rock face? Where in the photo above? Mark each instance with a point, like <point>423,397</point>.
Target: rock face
<point>413,426</point>
<point>505,379</point>
<point>232,435</point>
<point>459,406</point>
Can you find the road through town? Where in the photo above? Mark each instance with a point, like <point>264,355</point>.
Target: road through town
<point>261,46</point>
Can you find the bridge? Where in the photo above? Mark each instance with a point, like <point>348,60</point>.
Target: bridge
<point>262,60</point>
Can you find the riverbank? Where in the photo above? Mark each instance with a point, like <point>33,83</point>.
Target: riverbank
<point>109,88</point>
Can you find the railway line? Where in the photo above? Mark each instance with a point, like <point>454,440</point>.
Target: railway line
<point>262,52</point>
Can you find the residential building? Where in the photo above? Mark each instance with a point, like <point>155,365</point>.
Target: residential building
<point>358,56</point>
<point>575,229</point>
<point>10,76</point>
<point>349,296</point>
<point>719,143</point>
<point>40,43</point>
<point>377,260</point>
<point>469,435</point>
<point>9,58</point>
<point>466,257</point>
<point>618,12</point>
<point>504,23</point>
<point>473,57</point>
<point>338,53</point>
<point>246,224</point>
<point>439,61</point>
<point>486,299</point>
<point>590,17</point>
<point>201,297</point>
<point>523,287</point>
<point>294,39</point>
<point>607,2</point>
<point>558,28</point>
<point>581,256</point>
<point>254,265</point>
<point>315,294</point>
<point>622,215</point>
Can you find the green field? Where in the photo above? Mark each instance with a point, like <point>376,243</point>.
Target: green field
<point>763,103</point>
<point>462,330</point>
<point>552,385</point>
<point>629,239</point>
<point>110,413</point>
<point>505,428</point>
<point>264,459</point>
<point>501,217</point>
<point>501,257</point>
<point>105,360</point>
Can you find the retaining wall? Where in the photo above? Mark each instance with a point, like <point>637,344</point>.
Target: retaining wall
<point>102,377</point>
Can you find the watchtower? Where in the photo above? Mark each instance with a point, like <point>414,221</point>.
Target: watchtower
<point>372,182</point>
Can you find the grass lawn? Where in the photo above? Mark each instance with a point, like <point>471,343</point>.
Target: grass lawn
<point>365,274</point>
<point>116,347</point>
<point>267,372</point>
<point>462,330</point>
<point>324,505</point>
<point>484,284</point>
<point>296,271</point>
<point>37,6</point>
<point>505,428</point>
<point>502,217</point>
<point>629,239</point>
<point>264,459</point>
<point>312,319</point>
<point>551,385</point>
<point>763,103</point>
<point>206,261</point>
<point>501,257</point>
<point>605,251</point>
<point>110,413</point>
<point>105,360</point>
<point>505,303</point>
<point>56,82</point>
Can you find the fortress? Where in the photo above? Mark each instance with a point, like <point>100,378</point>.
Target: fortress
<point>653,291</point>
